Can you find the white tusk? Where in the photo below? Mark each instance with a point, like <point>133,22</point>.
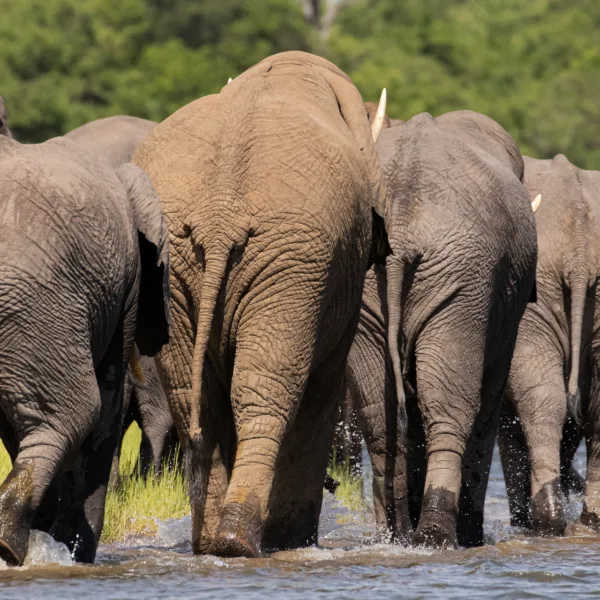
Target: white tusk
<point>377,124</point>
<point>229,80</point>
<point>536,203</point>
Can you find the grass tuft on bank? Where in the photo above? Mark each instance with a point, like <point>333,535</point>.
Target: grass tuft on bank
<point>349,493</point>
<point>135,503</point>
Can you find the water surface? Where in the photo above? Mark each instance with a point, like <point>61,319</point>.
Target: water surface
<point>345,566</point>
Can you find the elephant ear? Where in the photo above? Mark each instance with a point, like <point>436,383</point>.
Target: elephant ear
<point>352,110</point>
<point>153,318</point>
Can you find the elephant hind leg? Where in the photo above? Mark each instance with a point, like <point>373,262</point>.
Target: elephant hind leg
<point>297,493</point>
<point>21,494</point>
<point>516,465</point>
<point>478,455</point>
<point>47,439</point>
<point>449,369</point>
<point>81,510</point>
<point>538,390</point>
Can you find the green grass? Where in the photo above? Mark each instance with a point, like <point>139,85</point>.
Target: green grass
<point>349,492</point>
<point>135,503</point>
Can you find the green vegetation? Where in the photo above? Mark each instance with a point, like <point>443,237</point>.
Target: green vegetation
<point>349,492</point>
<point>135,503</point>
<point>533,65</point>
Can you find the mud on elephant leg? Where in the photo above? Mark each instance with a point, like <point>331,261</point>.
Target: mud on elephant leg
<point>516,466</point>
<point>21,494</point>
<point>449,366</point>
<point>297,493</point>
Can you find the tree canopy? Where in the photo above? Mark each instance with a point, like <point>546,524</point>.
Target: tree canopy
<point>533,65</point>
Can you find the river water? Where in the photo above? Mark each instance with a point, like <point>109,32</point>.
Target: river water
<point>345,566</point>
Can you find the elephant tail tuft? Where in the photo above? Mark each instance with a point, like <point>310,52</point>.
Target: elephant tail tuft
<point>212,281</point>
<point>395,281</point>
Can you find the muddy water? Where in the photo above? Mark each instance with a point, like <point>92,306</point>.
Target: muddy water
<point>345,566</point>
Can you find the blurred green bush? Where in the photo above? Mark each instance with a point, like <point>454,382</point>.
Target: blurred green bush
<point>533,65</point>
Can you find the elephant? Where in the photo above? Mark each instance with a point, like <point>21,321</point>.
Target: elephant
<point>83,273</point>
<point>115,139</point>
<point>439,321</point>
<point>275,203</point>
<point>4,130</point>
<point>146,403</point>
<point>553,392</point>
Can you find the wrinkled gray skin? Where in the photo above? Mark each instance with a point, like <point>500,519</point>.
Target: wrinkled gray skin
<point>115,139</point>
<point>4,130</point>
<point>461,273</point>
<point>146,403</point>
<point>82,246</point>
<point>271,237</point>
<point>554,376</point>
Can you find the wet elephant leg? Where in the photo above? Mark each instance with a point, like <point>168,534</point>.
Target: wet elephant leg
<point>22,492</point>
<point>210,467</point>
<point>371,382</point>
<point>274,353</point>
<point>571,480</point>
<point>449,368</point>
<point>537,387</point>
<point>81,519</point>
<point>297,493</point>
<point>590,515</point>
<point>478,455</point>
<point>514,455</point>
<point>46,441</point>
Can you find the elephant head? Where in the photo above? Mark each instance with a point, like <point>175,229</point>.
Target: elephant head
<point>4,130</point>
<point>153,321</point>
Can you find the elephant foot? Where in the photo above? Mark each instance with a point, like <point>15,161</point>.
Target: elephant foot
<point>437,525</point>
<point>239,532</point>
<point>547,510</point>
<point>16,515</point>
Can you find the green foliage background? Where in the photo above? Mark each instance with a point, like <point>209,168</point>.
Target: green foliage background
<point>533,65</point>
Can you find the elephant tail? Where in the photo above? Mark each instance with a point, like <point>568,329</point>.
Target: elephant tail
<point>395,281</point>
<point>212,281</point>
<point>579,284</point>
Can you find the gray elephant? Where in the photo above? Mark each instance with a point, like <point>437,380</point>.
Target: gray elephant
<point>115,139</point>
<point>146,404</point>
<point>438,324</point>
<point>4,130</point>
<point>553,394</point>
<point>83,272</point>
<point>274,198</point>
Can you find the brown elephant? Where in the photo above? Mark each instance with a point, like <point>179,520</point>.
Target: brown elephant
<point>553,394</point>
<point>438,324</point>
<point>272,190</point>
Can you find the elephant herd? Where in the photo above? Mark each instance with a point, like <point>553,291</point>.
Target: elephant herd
<point>283,249</point>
